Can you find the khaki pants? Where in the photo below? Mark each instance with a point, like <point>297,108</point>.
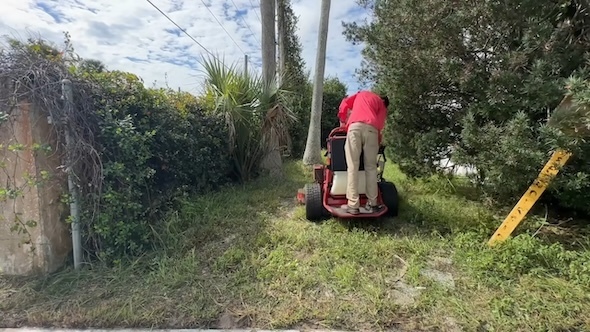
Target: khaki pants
<point>361,137</point>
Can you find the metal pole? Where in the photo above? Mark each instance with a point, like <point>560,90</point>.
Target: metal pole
<point>246,64</point>
<point>68,97</point>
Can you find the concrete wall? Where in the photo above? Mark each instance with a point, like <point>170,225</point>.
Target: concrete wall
<point>34,237</point>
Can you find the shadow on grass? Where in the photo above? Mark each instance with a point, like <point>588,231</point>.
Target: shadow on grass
<point>197,276</point>
<point>245,257</point>
<point>431,213</point>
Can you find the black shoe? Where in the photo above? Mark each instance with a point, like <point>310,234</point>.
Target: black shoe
<point>373,208</point>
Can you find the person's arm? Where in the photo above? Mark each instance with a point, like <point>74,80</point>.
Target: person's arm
<point>345,106</point>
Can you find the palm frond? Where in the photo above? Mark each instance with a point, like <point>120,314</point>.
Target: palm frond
<point>255,112</point>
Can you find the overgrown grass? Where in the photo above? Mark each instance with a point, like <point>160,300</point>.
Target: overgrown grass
<point>245,257</point>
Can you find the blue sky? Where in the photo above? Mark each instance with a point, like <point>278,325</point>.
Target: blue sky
<point>132,35</point>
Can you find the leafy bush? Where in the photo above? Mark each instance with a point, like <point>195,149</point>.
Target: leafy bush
<point>510,156</point>
<point>479,87</point>
<point>154,145</point>
<point>301,105</point>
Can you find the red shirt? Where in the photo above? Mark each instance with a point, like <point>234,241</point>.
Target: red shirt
<point>367,107</point>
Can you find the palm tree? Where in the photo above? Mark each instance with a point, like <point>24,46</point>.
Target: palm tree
<point>312,154</point>
<point>255,113</point>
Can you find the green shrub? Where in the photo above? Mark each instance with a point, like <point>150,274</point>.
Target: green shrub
<point>134,149</point>
<point>301,105</point>
<point>154,145</point>
<point>479,88</point>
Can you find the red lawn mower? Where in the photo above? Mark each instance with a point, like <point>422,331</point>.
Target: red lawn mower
<point>327,195</point>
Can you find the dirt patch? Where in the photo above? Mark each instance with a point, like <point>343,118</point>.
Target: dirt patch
<point>230,320</point>
<point>446,279</point>
<point>226,321</point>
<point>440,263</point>
<point>405,295</point>
<point>440,269</point>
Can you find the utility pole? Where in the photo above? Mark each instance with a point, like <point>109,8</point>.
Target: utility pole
<point>313,147</point>
<point>269,61</point>
<point>246,65</point>
<point>68,97</point>
<point>282,35</point>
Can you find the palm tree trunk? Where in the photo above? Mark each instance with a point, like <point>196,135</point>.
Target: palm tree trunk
<point>313,149</point>
<point>272,161</point>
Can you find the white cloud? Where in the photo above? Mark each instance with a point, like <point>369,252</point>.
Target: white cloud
<point>132,35</point>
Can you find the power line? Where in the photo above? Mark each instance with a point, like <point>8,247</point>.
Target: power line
<point>247,25</point>
<point>186,33</point>
<point>255,12</point>
<point>221,25</point>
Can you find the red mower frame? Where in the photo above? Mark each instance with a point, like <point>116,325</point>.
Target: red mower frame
<point>318,198</point>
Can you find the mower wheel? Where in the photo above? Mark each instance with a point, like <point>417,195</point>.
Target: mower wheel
<point>314,207</point>
<point>390,197</point>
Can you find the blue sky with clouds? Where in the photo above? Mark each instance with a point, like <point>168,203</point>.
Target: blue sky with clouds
<point>132,35</point>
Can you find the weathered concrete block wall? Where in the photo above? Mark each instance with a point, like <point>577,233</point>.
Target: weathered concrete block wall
<point>34,237</point>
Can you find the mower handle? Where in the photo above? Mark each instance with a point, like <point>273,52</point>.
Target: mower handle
<point>338,131</point>
<point>382,152</point>
<point>341,131</point>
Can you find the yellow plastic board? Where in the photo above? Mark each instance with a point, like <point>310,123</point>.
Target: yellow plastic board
<point>526,202</point>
